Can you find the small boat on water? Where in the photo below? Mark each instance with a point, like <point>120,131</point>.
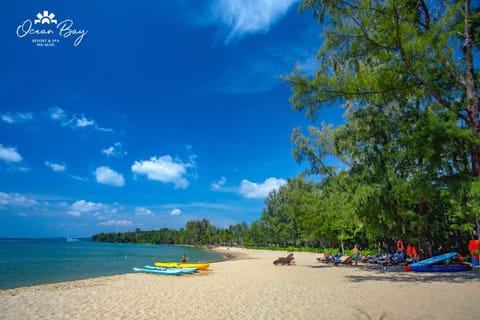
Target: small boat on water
<point>448,262</point>
<point>183,270</point>
<point>199,266</point>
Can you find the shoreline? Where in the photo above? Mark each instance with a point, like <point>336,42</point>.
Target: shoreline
<point>248,286</point>
<point>224,251</point>
<point>227,254</point>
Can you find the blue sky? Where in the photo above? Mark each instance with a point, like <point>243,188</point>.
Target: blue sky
<point>117,115</point>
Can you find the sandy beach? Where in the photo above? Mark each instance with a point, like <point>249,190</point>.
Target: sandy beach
<point>251,287</point>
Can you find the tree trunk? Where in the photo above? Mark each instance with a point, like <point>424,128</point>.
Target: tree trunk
<point>471,92</point>
<point>342,246</point>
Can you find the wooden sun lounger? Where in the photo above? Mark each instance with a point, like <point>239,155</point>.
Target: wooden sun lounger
<point>326,258</point>
<point>285,260</point>
<point>344,260</point>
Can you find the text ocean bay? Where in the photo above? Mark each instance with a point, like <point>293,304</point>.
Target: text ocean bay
<point>64,30</point>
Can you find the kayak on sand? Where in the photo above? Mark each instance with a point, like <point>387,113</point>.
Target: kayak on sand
<point>199,266</point>
<point>183,270</point>
<point>447,262</point>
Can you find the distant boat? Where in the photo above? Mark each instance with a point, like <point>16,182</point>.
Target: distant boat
<point>437,264</point>
<point>72,240</point>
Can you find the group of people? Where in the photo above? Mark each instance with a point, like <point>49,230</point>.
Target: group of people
<point>336,258</point>
<point>410,254</point>
<point>402,254</point>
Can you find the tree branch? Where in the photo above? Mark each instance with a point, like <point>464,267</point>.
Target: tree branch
<point>412,71</point>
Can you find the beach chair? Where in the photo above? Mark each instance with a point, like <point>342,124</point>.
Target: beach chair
<point>376,259</point>
<point>326,258</point>
<point>392,259</point>
<point>344,260</point>
<point>285,260</point>
<point>397,259</point>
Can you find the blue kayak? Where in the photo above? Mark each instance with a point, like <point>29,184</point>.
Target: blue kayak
<point>433,260</point>
<point>183,270</point>
<point>438,264</point>
<point>441,268</point>
<point>173,272</point>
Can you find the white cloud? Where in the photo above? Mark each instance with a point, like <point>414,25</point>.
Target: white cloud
<point>217,185</point>
<point>50,206</point>
<point>17,117</point>
<point>164,169</point>
<point>9,154</point>
<point>74,213</point>
<point>175,212</point>
<point>57,113</point>
<point>109,151</point>
<point>24,169</point>
<point>80,207</point>
<point>66,120</point>
<point>114,151</point>
<point>16,200</point>
<point>7,118</point>
<point>143,212</point>
<point>258,191</point>
<point>249,16</point>
<point>55,166</point>
<point>84,122</point>
<point>122,223</point>
<point>79,178</point>
<point>108,176</point>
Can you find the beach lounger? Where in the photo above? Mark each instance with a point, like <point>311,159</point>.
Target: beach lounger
<point>285,260</point>
<point>376,259</point>
<point>394,259</point>
<point>326,258</point>
<point>398,259</point>
<point>344,260</point>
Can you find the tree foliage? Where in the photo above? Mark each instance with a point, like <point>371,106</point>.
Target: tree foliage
<point>410,145</point>
<point>378,52</point>
<point>196,232</point>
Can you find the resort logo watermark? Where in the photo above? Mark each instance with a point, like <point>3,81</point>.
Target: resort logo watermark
<point>46,30</point>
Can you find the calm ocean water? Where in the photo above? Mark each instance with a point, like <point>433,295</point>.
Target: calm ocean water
<point>32,262</point>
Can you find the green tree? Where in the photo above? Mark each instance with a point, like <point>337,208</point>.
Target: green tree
<point>382,51</point>
<point>284,210</point>
<point>412,134</point>
<point>257,234</point>
<point>196,231</point>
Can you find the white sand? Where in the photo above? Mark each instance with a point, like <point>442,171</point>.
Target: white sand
<point>253,288</point>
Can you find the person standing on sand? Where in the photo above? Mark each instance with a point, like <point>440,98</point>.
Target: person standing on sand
<point>356,254</point>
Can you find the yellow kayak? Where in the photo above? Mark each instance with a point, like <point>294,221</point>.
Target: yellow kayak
<point>199,266</point>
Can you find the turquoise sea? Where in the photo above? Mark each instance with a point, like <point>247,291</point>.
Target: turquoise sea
<point>26,262</point>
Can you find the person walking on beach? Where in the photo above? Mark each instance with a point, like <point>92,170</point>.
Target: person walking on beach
<point>355,254</point>
<point>184,258</point>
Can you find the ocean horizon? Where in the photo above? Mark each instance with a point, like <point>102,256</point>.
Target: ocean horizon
<point>28,262</point>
